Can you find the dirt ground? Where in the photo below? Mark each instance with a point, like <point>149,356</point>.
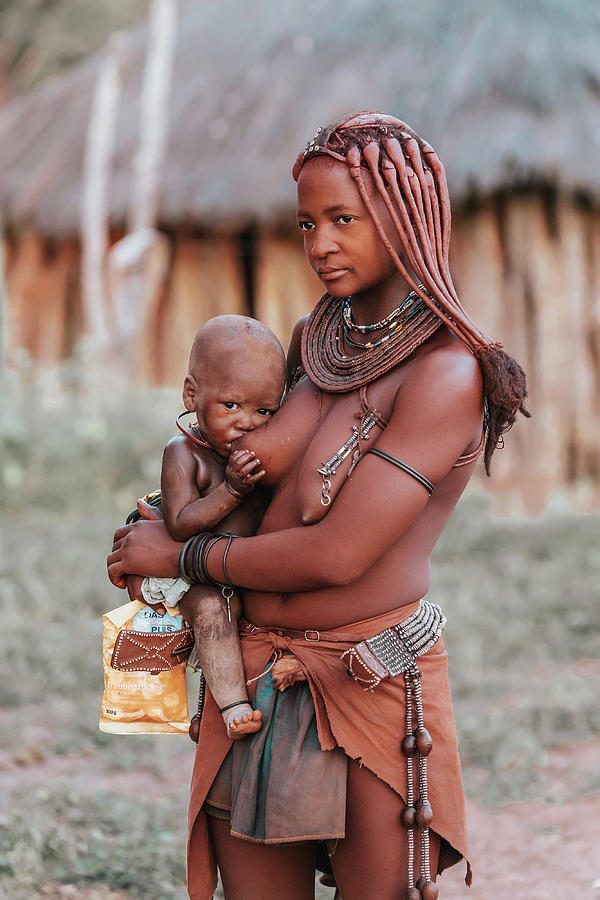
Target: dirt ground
<point>536,850</point>
<point>97,817</point>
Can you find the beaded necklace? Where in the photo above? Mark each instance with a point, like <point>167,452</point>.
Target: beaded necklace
<point>409,306</point>
<point>370,345</point>
<point>390,320</point>
<point>330,369</point>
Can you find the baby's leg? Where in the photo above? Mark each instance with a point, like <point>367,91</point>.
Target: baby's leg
<point>218,646</point>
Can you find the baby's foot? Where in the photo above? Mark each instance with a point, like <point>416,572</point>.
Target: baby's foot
<point>241,726</point>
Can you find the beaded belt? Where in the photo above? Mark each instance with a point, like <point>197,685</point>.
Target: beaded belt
<point>387,654</point>
<point>394,651</point>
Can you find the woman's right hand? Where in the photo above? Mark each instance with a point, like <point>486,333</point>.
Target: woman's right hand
<point>133,583</point>
<point>144,548</point>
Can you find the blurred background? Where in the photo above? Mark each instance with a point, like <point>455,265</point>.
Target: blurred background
<point>145,186</point>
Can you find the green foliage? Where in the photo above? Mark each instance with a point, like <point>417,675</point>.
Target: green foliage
<point>74,456</point>
<point>68,836</point>
<point>80,443</point>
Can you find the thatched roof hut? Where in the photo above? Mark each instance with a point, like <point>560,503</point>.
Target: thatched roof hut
<point>507,91</point>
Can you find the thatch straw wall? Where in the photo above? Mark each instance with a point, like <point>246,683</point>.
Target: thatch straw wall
<point>286,286</point>
<point>527,266</point>
<point>43,314</point>
<point>506,91</point>
<point>206,280</point>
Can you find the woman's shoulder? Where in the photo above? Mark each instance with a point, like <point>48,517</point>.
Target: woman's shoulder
<point>443,382</point>
<point>443,364</point>
<point>298,329</point>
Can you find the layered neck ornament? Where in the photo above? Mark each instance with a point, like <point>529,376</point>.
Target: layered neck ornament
<point>330,323</point>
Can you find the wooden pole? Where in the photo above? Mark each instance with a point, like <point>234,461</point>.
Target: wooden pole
<point>4,341</point>
<point>138,264</point>
<point>137,267</point>
<point>94,208</point>
<point>154,115</point>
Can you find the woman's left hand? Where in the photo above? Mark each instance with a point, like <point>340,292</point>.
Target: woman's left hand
<point>133,583</point>
<point>143,548</point>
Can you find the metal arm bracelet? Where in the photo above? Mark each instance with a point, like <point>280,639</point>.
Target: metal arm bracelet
<point>193,559</point>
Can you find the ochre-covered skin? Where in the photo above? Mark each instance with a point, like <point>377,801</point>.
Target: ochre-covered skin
<point>407,199</point>
<point>368,553</point>
<point>377,502</point>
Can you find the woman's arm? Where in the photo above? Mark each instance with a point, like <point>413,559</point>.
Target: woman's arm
<point>284,436</point>
<point>435,416</point>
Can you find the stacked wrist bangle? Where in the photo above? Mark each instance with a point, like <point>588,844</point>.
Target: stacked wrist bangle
<point>194,557</point>
<point>237,494</point>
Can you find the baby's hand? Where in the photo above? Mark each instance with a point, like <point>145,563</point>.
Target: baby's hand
<point>241,473</point>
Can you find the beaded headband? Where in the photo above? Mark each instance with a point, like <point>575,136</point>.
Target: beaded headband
<point>317,146</point>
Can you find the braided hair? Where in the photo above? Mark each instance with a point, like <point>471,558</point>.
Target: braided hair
<point>411,181</point>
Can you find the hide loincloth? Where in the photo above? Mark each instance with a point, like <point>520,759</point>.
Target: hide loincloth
<point>366,726</point>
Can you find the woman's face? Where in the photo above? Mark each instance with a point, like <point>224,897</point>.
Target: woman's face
<point>340,240</point>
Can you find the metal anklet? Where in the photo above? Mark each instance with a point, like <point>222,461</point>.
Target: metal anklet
<point>235,703</point>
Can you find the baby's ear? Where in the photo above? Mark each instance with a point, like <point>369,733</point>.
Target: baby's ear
<point>190,392</point>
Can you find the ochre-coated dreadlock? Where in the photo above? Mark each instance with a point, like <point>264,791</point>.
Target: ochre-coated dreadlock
<point>412,183</point>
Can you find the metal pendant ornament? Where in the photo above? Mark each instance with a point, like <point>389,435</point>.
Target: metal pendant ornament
<point>329,468</point>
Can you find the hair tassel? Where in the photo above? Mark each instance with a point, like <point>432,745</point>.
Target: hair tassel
<point>505,390</point>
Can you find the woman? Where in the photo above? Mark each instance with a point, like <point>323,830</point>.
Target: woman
<point>367,458</point>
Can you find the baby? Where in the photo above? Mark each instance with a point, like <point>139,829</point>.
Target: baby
<point>235,382</point>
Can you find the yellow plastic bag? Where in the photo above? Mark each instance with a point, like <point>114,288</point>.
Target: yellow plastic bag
<point>144,657</point>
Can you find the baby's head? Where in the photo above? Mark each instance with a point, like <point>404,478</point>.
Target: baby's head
<point>235,379</point>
